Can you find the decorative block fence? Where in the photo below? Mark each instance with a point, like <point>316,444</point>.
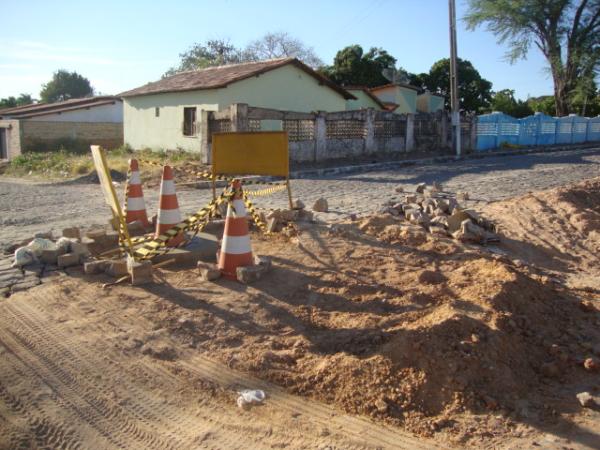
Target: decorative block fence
<point>321,136</point>
<point>497,129</point>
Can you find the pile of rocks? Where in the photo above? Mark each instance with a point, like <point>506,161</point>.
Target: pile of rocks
<point>279,219</point>
<point>440,214</point>
<point>29,262</point>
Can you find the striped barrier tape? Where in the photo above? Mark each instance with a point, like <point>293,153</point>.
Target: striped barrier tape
<point>267,191</point>
<point>251,209</point>
<point>208,175</point>
<point>254,214</point>
<point>195,222</point>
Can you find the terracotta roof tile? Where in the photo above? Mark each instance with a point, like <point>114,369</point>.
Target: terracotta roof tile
<point>408,86</point>
<point>221,76</point>
<point>41,109</point>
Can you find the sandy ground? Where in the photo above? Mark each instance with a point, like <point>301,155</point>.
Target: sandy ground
<point>422,335</point>
<point>367,334</point>
<point>28,208</point>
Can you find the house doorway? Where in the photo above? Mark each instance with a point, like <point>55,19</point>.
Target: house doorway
<point>3,144</point>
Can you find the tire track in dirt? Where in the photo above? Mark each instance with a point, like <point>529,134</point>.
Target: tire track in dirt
<point>359,429</point>
<point>20,410</point>
<point>181,428</point>
<point>45,344</point>
<point>135,420</point>
<point>69,362</point>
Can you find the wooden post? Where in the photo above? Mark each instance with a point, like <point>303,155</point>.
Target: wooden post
<point>289,191</point>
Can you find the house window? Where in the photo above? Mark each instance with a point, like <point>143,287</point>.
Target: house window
<point>157,112</point>
<point>189,121</point>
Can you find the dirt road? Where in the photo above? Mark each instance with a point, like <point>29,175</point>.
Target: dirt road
<point>66,383</point>
<point>370,334</point>
<point>27,208</point>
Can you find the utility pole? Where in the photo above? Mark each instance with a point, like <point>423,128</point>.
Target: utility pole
<point>454,99</point>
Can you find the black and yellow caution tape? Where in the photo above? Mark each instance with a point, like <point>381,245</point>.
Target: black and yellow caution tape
<point>208,176</point>
<point>254,214</point>
<point>267,191</point>
<point>195,222</point>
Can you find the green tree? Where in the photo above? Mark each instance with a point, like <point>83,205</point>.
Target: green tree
<point>25,99</point>
<point>583,98</point>
<point>474,91</point>
<point>352,66</point>
<point>281,45</point>
<point>8,102</point>
<point>64,86</point>
<point>21,100</point>
<point>504,101</point>
<point>216,52</point>
<point>544,104</point>
<point>567,32</point>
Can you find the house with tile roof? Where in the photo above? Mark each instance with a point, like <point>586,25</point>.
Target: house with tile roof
<point>164,114</point>
<point>50,126</point>
<point>399,98</point>
<point>364,99</point>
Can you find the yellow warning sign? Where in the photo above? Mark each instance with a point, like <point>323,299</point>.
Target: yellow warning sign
<point>250,153</point>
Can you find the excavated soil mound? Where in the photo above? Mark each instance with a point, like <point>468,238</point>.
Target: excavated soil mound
<point>385,320</point>
<point>461,342</point>
<point>558,230</point>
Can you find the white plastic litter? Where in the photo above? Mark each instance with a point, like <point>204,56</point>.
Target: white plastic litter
<point>65,244</point>
<point>40,244</point>
<point>23,256</point>
<point>250,396</point>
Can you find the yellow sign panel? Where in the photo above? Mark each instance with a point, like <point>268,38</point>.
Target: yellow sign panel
<point>250,153</point>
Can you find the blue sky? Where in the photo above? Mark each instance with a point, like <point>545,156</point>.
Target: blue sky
<point>119,44</point>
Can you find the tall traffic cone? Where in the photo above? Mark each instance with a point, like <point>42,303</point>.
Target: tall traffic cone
<point>235,247</point>
<point>168,208</point>
<point>135,206</point>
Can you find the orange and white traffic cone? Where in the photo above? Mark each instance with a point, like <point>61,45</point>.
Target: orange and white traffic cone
<point>235,247</point>
<point>168,208</point>
<point>135,207</point>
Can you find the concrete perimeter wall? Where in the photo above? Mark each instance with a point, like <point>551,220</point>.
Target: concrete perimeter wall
<point>48,134</point>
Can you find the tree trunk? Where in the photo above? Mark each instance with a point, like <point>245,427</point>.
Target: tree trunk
<point>560,98</point>
<point>560,90</point>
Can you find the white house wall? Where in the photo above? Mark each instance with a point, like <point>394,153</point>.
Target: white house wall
<point>103,113</point>
<point>286,88</point>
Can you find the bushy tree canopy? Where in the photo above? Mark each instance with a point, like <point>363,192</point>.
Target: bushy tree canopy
<point>64,86</point>
<point>217,52</point>
<point>504,101</point>
<point>567,32</point>
<point>475,92</point>
<point>281,45</point>
<point>21,100</point>
<point>352,66</point>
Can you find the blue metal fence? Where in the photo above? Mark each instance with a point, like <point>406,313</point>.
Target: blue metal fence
<point>497,129</point>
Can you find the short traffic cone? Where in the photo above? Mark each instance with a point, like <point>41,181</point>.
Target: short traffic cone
<point>235,247</point>
<point>135,206</point>
<point>168,208</point>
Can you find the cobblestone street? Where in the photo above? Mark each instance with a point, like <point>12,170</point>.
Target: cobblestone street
<point>27,208</point>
